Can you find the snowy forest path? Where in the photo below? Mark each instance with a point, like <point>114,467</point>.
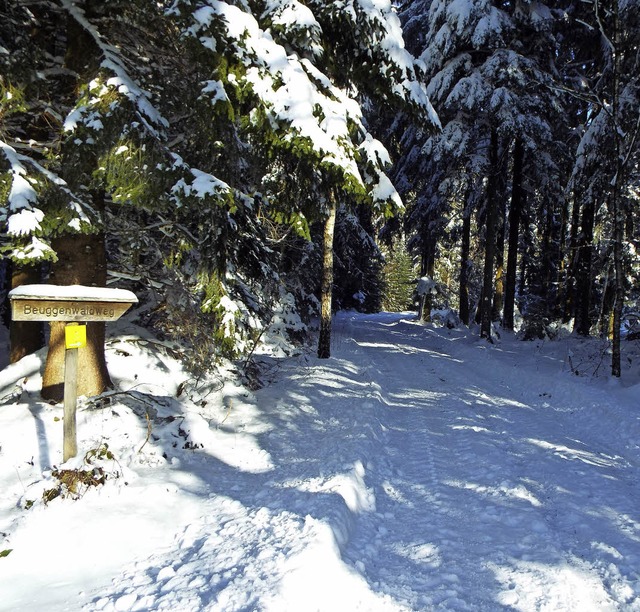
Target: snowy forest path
<point>418,469</point>
<point>504,487</point>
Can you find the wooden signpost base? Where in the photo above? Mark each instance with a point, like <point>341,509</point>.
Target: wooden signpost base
<point>71,304</point>
<point>70,441</point>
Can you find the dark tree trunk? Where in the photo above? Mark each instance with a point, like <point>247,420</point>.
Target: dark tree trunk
<point>490,241</point>
<point>465,264</point>
<point>527,249</point>
<point>547,259</point>
<point>25,337</point>
<point>605,318</point>
<point>498,294</point>
<point>515,212</point>
<point>582,323</point>
<point>324,341</point>
<point>618,213</point>
<point>618,258</point>
<point>428,269</point>
<point>81,261</point>
<point>617,203</point>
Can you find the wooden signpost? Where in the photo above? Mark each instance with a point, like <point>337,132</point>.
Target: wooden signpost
<point>74,305</point>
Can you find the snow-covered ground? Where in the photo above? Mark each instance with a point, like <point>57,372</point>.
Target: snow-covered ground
<point>419,468</point>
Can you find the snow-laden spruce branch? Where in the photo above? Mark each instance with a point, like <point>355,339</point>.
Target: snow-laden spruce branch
<point>21,215</point>
<point>151,118</point>
<point>194,182</point>
<point>299,100</point>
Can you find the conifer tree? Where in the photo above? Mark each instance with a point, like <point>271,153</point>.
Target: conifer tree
<point>609,147</point>
<point>487,72</point>
<point>213,132</point>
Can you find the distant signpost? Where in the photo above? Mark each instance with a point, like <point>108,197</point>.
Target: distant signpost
<point>73,305</point>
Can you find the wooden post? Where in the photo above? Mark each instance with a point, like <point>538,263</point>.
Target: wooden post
<point>75,337</point>
<point>70,304</point>
<point>70,441</point>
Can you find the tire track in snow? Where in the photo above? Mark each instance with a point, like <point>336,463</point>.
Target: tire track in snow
<point>488,517</point>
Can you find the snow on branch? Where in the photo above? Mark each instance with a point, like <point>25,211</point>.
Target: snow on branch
<point>301,102</point>
<point>23,219</point>
<point>390,42</point>
<point>148,115</point>
<point>202,186</point>
<point>297,98</point>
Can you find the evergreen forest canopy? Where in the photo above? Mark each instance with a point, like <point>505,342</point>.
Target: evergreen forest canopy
<point>237,163</point>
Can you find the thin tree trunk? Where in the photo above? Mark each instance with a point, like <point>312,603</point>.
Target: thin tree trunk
<point>25,337</point>
<point>605,318</point>
<point>515,212</point>
<point>569,306</point>
<point>324,341</point>
<point>562,276</point>
<point>616,349</point>
<point>490,241</point>
<point>619,268</point>
<point>498,294</point>
<point>464,266</point>
<point>617,204</point>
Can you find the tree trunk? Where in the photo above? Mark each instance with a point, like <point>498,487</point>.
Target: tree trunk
<point>616,349</point>
<point>324,341</point>
<point>25,337</point>
<point>81,257</point>
<point>605,318</point>
<point>569,306</point>
<point>428,268</point>
<point>498,294</point>
<point>81,261</point>
<point>617,202</point>
<point>619,267</point>
<point>515,212</point>
<point>465,264</point>
<point>490,241</point>
<point>547,259</point>
<point>582,323</point>
<point>527,249</point>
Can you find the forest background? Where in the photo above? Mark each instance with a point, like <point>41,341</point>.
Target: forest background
<point>252,164</point>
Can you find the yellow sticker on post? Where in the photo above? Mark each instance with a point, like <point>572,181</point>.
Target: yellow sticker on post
<point>75,336</point>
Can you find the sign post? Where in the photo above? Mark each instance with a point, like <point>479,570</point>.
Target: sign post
<point>73,304</point>
<point>75,336</point>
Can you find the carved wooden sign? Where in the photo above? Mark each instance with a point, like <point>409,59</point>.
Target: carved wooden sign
<point>69,303</point>
<point>72,304</point>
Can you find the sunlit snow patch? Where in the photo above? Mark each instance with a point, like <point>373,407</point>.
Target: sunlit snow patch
<point>573,454</point>
<point>340,586</point>
<point>504,491</point>
<point>350,486</point>
<point>538,586</point>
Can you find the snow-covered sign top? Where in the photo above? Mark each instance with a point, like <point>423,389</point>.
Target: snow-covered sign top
<point>69,303</point>
<point>80,293</point>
